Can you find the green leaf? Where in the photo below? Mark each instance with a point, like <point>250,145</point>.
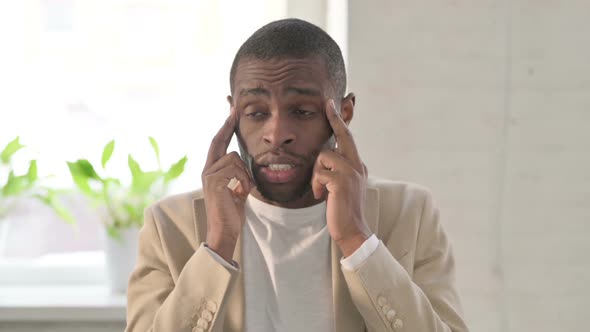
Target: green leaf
<point>109,181</point>
<point>107,152</point>
<point>133,167</point>
<point>156,148</point>
<point>63,213</point>
<point>80,176</point>
<point>141,181</point>
<point>15,185</point>
<point>32,172</point>
<point>87,169</point>
<point>51,200</point>
<point>10,149</point>
<point>175,170</point>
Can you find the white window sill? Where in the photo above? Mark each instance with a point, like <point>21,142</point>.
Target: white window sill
<point>77,268</point>
<point>60,303</point>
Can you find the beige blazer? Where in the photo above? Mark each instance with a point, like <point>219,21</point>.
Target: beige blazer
<point>407,284</point>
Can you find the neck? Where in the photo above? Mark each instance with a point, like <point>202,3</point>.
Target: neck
<point>304,201</point>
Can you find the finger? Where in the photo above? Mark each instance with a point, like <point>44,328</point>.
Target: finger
<point>230,158</point>
<point>327,161</point>
<point>221,140</point>
<point>233,184</point>
<point>225,176</point>
<point>239,164</point>
<point>343,135</point>
<point>317,188</point>
<point>243,185</point>
<point>321,182</point>
<point>242,191</point>
<point>332,161</point>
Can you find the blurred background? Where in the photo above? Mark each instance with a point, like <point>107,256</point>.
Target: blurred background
<point>485,102</point>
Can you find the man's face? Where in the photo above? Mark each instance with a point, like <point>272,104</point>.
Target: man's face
<point>282,122</point>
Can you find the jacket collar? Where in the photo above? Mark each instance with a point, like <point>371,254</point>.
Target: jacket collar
<point>346,316</point>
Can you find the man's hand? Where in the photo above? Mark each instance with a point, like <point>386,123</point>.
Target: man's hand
<point>225,207</point>
<point>344,176</point>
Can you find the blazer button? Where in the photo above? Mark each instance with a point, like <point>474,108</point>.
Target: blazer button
<point>381,300</point>
<point>211,306</point>
<point>390,315</point>
<point>385,309</point>
<point>398,324</point>
<point>207,315</point>
<point>202,323</point>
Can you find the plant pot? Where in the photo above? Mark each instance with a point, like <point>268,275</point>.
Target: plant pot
<point>121,255</point>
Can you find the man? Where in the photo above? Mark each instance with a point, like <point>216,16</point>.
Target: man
<point>291,235</point>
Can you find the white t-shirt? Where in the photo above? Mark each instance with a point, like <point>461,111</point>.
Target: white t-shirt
<point>286,266</point>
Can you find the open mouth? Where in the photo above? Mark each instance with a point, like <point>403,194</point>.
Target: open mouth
<point>279,173</point>
<point>280,167</point>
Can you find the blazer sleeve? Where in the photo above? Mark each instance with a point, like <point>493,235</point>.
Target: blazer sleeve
<point>389,299</point>
<point>194,302</point>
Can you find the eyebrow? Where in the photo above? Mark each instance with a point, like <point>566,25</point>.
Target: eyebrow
<point>258,91</point>
<point>303,91</point>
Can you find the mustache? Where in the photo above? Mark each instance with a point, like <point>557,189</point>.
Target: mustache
<point>262,157</point>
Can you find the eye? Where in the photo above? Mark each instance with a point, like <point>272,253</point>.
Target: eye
<point>256,114</point>
<point>303,113</point>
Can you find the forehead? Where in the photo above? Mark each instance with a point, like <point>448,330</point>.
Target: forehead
<point>275,74</point>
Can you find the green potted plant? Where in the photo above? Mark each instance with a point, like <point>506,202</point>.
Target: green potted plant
<point>14,187</point>
<point>121,205</point>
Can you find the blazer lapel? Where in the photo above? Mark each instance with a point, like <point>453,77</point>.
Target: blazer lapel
<point>346,316</point>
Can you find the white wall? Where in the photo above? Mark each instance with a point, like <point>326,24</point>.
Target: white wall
<point>488,104</point>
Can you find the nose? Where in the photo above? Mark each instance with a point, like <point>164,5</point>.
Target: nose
<point>278,131</point>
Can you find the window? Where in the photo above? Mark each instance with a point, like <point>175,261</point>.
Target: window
<point>76,74</point>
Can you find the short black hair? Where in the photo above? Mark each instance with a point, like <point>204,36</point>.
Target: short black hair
<point>294,38</point>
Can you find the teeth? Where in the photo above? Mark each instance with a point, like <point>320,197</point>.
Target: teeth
<point>280,167</point>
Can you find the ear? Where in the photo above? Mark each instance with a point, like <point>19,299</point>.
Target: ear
<point>230,101</point>
<point>347,107</point>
